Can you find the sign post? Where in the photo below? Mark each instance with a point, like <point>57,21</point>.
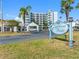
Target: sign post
<point>49,25</point>
<point>49,29</point>
<point>70,33</point>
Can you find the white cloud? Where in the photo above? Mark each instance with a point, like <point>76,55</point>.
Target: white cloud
<point>9,16</point>
<point>18,19</point>
<point>0,12</point>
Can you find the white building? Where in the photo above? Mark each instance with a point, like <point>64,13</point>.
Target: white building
<point>53,16</point>
<point>40,19</point>
<point>4,26</point>
<point>32,27</point>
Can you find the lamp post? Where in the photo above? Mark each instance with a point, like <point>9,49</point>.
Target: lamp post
<point>70,32</point>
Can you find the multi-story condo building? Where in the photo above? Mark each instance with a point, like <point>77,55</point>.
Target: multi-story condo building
<point>53,16</point>
<point>39,18</point>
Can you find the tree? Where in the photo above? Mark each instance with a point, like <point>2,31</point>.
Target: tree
<point>23,12</point>
<point>66,7</point>
<point>28,8</point>
<point>12,24</point>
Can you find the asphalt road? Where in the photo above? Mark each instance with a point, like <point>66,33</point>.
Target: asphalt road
<point>13,39</point>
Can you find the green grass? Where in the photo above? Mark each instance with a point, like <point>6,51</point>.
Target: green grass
<point>61,36</point>
<point>41,49</point>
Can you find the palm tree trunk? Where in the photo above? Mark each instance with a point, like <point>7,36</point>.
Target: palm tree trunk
<point>67,15</point>
<point>24,21</point>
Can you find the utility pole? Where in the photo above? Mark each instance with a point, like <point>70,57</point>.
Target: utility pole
<point>1,9</point>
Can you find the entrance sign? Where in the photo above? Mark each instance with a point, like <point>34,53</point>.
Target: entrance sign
<point>59,28</point>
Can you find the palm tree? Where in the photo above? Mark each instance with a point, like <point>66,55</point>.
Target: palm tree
<point>66,7</point>
<point>28,8</point>
<point>23,12</point>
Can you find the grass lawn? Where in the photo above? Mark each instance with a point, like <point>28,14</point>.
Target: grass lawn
<point>39,49</point>
<point>13,33</point>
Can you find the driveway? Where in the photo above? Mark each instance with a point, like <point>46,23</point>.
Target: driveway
<point>13,39</point>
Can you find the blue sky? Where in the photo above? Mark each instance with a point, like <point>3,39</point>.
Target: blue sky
<point>11,7</point>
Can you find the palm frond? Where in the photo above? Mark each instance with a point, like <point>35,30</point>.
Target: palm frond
<point>62,10</point>
<point>63,3</point>
<point>70,1</point>
<point>70,8</point>
<point>77,7</point>
<point>28,8</point>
